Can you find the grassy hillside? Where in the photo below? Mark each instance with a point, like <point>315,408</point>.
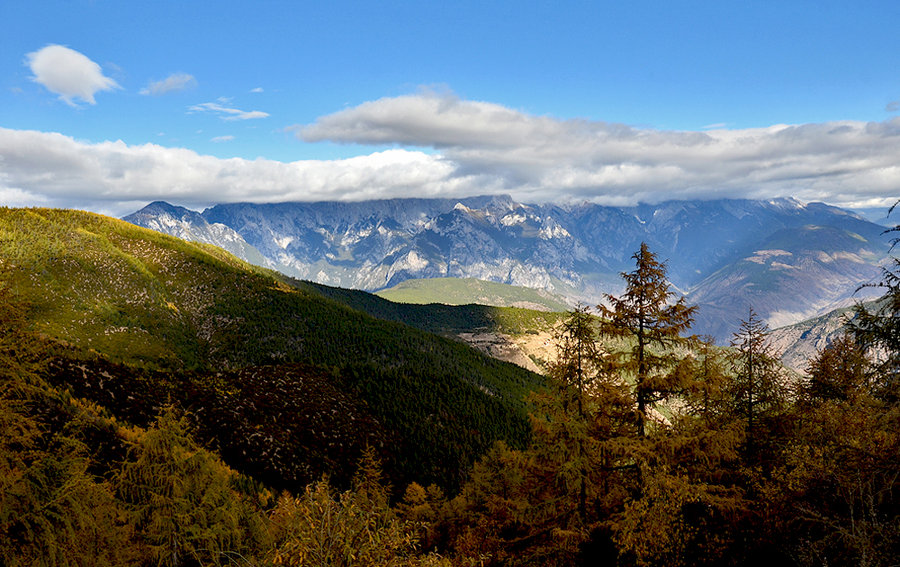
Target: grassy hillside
<point>448,320</point>
<point>176,315</point>
<point>462,291</point>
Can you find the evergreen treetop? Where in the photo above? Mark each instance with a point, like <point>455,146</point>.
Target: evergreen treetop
<point>644,314</point>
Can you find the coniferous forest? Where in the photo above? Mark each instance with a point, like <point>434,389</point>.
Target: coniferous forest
<point>164,404</point>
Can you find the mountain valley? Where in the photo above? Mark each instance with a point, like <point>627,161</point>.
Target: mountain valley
<point>788,260</point>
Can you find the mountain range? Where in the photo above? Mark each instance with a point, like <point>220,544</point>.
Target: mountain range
<point>786,259</point>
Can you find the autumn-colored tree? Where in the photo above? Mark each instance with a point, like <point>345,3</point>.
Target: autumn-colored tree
<point>539,506</point>
<point>645,315</point>
<point>563,418</point>
<point>840,371</point>
<point>53,511</point>
<point>428,508</point>
<point>760,389</point>
<point>707,397</point>
<point>578,358</point>
<point>844,476</point>
<point>878,329</point>
<point>353,528</point>
<point>837,491</point>
<point>706,433</point>
<point>685,488</point>
<point>183,499</point>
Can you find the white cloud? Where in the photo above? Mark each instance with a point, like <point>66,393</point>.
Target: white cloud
<point>256,90</point>
<point>226,138</point>
<point>542,157</point>
<point>173,83</point>
<point>11,197</point>
<point>68,73</point>
<point>227,113</point>
<point>481,148</point>
<point>111,177</point>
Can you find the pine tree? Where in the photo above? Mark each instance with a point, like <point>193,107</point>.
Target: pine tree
<point>759,388</point>
<point>578,359</point>
<point>644,315</point>
<point>575,372</point>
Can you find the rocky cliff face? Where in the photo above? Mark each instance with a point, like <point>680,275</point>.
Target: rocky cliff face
<point>787,259</point>
<point>190,225</point>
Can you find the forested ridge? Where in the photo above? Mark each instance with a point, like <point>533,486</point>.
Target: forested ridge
<point>134,318</point>
<point>642,446</point>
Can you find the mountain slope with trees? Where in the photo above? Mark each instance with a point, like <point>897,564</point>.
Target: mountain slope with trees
<point>727,255</point>
<point>147,317</point>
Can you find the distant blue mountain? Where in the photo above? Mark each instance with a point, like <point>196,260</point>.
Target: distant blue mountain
<point>787,259</point>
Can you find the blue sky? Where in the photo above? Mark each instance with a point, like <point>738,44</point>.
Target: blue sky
<point>108,105</point>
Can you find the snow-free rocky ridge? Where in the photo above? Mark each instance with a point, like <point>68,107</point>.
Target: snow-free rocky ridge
<point>787,259</point>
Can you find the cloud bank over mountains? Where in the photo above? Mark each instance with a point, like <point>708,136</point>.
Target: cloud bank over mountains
<point>441,145</point>
<point>113,177</point>
<point>846,161</point>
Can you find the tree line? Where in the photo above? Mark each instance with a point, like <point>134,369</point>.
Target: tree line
<point>665,450</point>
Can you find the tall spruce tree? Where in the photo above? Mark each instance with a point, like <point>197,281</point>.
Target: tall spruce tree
<point>759,390</point>
<point>644,315</point>
<point>578,358</point>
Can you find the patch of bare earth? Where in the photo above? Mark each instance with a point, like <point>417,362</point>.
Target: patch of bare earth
<point>530,351</point>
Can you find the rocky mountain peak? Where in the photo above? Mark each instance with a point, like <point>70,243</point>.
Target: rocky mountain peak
<point>712,248</point>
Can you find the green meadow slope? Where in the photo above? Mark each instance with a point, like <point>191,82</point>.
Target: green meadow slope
<point>166,319</point>
<point>462,291</point>
<point>443,319</point>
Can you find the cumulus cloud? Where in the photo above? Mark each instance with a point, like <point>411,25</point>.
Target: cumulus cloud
<point>112,177</point>
<point>68,73</point>
<point>173,83</point>
<point>892,106</point>
<point>227,113</point>
<point>542,157</point>
<point>226,138</point>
